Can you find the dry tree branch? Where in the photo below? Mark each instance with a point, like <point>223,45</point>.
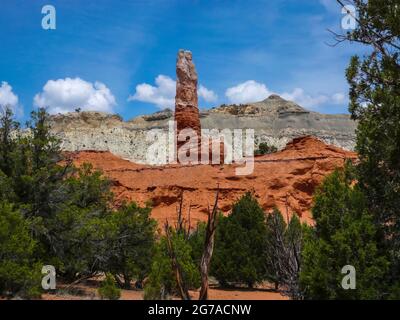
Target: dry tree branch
<point>377,43</point>
<point>208,248</point>
<point>182,288</point>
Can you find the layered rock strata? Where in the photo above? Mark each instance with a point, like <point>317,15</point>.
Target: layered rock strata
<point>286,179</point>
<point>275,121</point>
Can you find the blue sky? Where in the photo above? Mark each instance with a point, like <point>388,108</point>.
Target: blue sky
<point>108,54</point>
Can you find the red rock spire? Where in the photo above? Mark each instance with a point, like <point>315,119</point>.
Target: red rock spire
<point>186,101</point>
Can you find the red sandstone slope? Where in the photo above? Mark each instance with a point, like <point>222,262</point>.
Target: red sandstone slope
<point>289,176</point>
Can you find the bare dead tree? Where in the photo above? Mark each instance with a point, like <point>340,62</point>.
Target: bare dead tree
<point>289,261</point>
<point>179,220</point>
<point>284,258</point>
<point>208,248</point>
<point>183,226</point>
<point>287,207</point>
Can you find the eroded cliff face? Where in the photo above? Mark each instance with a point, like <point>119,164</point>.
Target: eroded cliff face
<point>286,179</point>
<point>274,120</point>
<point>100,132</point>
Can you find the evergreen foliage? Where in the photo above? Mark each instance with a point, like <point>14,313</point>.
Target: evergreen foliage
<point>344,234</point>
<point>239,255</point>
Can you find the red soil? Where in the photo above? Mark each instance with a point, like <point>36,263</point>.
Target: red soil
<point>286,179</point>
<point>214,294</point>
<point>88,291</point>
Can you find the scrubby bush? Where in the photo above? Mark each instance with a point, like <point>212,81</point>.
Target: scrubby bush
<point>108,288</point>
<point>265,148</point>
<point>196,241</point>
<point>161,283</point>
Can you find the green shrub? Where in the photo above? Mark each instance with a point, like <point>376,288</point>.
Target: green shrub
<point>108,288</point>
<point>265,148</point>
<point>162,282</point>
<point>132,243</point>
<point>196,241</point>
<point>19,273</point>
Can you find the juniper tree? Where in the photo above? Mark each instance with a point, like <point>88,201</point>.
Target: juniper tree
<point>19,270</point>
<point>374,81</point>
<point>8,127</point>
<point>132,243</point>
<point>240,243</point>
<point>344,234</point>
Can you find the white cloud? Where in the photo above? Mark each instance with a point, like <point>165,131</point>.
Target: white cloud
<point>9,99</point>
<point>163,93</point>
<point>331,6</point>
<point>249,91</point>
<point>313,102</point>
<point>339,98</point>
<point>206,94</point>
<point>305,100</point>
<point>252,91</point>
<point>65,95</point>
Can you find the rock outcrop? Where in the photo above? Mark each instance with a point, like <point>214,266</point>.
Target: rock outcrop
<point>278,121</point>
<point>186,101</point>
<point>286,179</point>
<point>275,121</point>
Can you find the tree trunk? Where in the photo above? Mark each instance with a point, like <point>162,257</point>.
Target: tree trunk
<point>127,282</point>
<point>208,249</point>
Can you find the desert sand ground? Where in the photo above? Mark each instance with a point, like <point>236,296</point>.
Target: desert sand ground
<point>88,291</point>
